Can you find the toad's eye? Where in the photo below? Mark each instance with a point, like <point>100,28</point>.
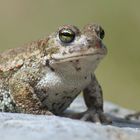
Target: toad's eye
<point>66,35</point>
<point>102,33</point>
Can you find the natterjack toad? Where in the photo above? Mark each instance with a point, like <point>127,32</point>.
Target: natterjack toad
<point>45,76</point>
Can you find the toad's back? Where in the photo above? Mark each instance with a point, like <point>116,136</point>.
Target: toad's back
<point>14,58</point>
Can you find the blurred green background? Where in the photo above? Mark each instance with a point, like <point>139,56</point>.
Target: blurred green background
<point>22,21</point>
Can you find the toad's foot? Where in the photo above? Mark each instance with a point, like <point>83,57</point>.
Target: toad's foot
<point>96,116</point>
<point>92,116</point>
<point>135,116</point>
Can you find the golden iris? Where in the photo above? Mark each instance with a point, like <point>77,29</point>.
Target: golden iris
<point>66,35</point>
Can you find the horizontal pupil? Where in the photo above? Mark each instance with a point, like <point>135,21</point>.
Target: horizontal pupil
<point>66,34</point>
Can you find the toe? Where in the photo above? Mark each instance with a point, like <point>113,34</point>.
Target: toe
<point>95,118</point>
<point>86,117</point>
<point>105,119</point>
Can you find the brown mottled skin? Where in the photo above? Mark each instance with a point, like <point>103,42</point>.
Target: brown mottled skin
<point>45,76</point>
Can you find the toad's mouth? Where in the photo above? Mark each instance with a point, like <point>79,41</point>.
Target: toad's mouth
<point>60,59</point>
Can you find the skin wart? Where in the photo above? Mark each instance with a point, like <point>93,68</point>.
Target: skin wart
<point>45,76</point>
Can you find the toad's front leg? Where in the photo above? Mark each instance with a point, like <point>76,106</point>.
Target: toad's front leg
<point>25,97</point>
<point>94,101</point>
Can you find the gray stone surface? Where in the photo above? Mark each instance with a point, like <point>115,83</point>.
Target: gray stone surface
<point>31,127</point>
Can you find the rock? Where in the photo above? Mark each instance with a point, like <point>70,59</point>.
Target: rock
<point>34,127</point>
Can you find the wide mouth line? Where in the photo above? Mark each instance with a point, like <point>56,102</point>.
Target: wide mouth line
<point>77,56</point>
